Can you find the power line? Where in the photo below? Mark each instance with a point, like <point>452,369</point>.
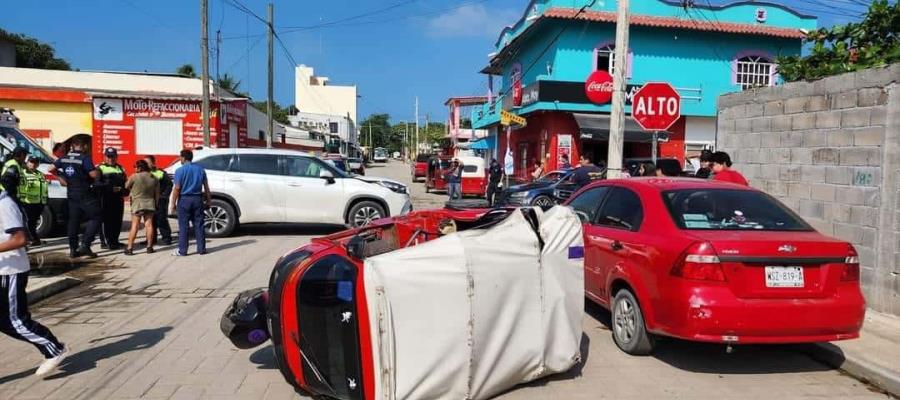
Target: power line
<point>238,5</point>
<point>358,16</point>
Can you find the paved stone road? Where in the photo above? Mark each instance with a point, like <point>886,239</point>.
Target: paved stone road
<point>147,327</point>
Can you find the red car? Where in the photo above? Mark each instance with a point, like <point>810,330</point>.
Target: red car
<point>713,262</point>
<point>420,166</point>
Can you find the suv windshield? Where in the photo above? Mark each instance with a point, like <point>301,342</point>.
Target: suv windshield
<point>724,209</point>
<point>13,137</point>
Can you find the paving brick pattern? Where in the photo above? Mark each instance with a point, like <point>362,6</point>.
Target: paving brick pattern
<point>147,327</point>
<point>830,150</point>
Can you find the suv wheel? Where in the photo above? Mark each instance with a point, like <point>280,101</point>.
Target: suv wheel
<point>45,223</point>
<point>220,219</point>
<point>364,212</point>
<point>628,329</point>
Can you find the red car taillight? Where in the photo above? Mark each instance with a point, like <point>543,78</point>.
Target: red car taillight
<point>851,266</point>
<point>700,262</point>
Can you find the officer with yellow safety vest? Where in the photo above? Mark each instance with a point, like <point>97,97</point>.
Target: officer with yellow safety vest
<point>33,192</point>
<point>160,218</point>
<point>112,199</point>
<point>11,175</point>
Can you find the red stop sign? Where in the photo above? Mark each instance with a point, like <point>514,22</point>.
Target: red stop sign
<point>656,106</point>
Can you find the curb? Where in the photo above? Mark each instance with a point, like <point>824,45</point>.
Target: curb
<point>43,288</point>
<point>858,367</point>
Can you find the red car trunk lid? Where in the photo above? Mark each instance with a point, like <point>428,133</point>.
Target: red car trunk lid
<point>782,265</point>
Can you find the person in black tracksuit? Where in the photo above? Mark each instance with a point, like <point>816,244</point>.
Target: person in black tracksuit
<point>495,174</point>
<point>77,173</point>
<point>112,199</point>
<point>15,319</point>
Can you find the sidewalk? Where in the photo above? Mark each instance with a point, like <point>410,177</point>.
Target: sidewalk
<point>40,288</point>
<point>874,357</point>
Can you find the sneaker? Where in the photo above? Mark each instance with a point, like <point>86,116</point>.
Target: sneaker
<point>74,254</point>
<point>150,250</point>
<point>104,246</point>
<point>177,253</point>
<point>49,365</point>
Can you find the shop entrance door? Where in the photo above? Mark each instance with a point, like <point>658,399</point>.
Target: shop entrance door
<point>232,135</point>
<point>523,160</point>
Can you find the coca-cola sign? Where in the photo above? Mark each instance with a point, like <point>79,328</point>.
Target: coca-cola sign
<point>599,87</point>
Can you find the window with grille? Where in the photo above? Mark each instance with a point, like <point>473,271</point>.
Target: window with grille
<point>754,71</point>
<point>606,58</point>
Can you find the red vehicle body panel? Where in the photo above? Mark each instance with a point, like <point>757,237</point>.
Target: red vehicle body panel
<point>419,169</point>
<point>741,308</point>
<point>434,178</point>
<point>472,186</point>
<point>423,224</point>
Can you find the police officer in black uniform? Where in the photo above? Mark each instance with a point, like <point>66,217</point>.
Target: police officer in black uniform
<point>77,173</point>
<point>111,186</point>
<point>495,173</point>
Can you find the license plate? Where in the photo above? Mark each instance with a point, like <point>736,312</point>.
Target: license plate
<point>780,277</point>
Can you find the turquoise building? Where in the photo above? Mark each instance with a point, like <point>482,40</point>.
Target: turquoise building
<point>540,64</point>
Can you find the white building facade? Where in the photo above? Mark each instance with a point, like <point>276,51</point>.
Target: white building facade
<point>324,105</point>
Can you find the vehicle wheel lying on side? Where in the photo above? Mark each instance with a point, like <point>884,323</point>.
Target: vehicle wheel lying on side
<point>220,219</point>
<point>628,328</point>
<point>364,212</point>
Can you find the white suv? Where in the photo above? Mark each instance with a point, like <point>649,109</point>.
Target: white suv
<point>284,186</point>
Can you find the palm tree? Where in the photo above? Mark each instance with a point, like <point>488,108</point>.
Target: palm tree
<point>186,70</point>
<point>228,83</point>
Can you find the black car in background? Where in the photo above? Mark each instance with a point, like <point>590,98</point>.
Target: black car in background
<point>551,189</point>
<point>669,166</point>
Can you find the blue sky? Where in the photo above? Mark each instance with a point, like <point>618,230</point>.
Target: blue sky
<point>425,48</point>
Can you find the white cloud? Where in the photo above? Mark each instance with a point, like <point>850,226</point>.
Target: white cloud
<point>473,20</point>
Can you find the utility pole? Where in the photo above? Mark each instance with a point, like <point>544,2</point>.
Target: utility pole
<point>204,66</point>
<point>270,105</point>
<point>617,117</point>
<point>417,125</point>
<point>406,141</point>
<point>425,134</point>
<point>371,143</point>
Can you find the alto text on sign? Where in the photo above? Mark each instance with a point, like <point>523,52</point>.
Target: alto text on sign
<point>656,106</point>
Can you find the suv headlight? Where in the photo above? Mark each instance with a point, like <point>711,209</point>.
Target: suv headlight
<point>395,187</point>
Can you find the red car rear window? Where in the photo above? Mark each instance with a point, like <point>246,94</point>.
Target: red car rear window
<point>724,209</point>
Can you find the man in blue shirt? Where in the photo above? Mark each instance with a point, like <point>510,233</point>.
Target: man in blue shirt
<point>190,197</point>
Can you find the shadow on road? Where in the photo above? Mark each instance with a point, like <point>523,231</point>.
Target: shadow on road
<point>264,358</point>
<point>572,373</point>
<point>289,229</point>
<point>712,358</point>
<point>128,342</point>
<point>226,246</point>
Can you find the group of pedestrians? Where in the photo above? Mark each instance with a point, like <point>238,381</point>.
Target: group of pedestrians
<point>95,195</point>
<point>96,198</point>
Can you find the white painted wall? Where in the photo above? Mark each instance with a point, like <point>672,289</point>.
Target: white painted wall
<point>103,81</point>
<point>314,95</point>
<point>700,129</point>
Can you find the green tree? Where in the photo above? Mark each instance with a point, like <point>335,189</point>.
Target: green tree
<point>31,53</point>
<point>376,131</point>
<point>228,83</point>
<point>872,42</point>
<point>279,113</point>
<point>187,70</point>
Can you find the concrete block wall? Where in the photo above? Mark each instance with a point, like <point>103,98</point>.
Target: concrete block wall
<point>830,150</point>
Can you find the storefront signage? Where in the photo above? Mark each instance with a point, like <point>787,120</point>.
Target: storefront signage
<point>599,87</point>
<point>563,92</point>
<point>162,127</point>
<point>507,118</point>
